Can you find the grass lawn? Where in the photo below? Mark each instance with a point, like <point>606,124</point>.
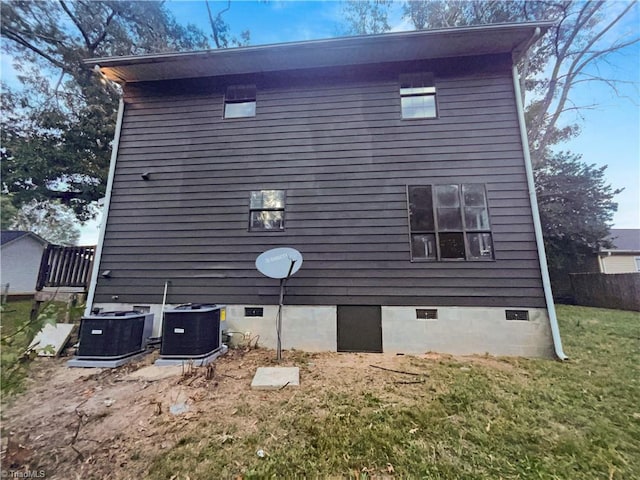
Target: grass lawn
<point>16,313</point>
<point>462,418</point>
<point>476,417</point>
<point>17,332</point>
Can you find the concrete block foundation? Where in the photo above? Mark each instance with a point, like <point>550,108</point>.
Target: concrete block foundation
<point>457,330</point>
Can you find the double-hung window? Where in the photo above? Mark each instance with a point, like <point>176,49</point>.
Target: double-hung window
<point>449,222</point>
<point>418,96</point>
<point>240,101</point>
<point>266,210</point>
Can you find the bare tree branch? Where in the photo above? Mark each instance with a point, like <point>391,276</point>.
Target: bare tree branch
<point>585,14</point>
<point>575,69</point>
<point>55,89</point>
<point>100,38</point>
<point>214,27</point>
<point>611,83</point>
<point>16,37</point>
<point>87,40</point>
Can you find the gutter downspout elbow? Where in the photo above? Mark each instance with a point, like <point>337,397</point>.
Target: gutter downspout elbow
<point>537,225</point>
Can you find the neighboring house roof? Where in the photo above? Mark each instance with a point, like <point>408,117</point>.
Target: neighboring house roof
<point>508,38</point>
<point>624,240</point>
<point>9,236</point>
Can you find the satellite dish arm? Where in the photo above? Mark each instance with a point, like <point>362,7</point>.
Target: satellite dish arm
<point>293,262</point>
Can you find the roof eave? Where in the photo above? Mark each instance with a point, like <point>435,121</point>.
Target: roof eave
<point>35,236</point>
<point>477,40</point>
<point>605,252</point>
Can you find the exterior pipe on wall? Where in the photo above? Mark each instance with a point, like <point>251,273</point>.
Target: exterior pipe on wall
<point>164,304</point>
<point>603,266</point>
<point>105,210</point>
<point>537,225</point>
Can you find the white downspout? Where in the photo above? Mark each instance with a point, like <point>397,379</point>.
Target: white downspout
<point>602,264</point>
<point>105,210</point>
<point>537,226</point>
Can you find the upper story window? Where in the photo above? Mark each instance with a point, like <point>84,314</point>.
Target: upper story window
<point>240,101</point>
<point>418,96</point>
<point>266,210</point>
<point>449,222</point>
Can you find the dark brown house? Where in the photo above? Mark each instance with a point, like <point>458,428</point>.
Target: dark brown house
<point>396,164</point>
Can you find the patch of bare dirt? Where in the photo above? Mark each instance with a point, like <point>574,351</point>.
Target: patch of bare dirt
<point>111,423</point>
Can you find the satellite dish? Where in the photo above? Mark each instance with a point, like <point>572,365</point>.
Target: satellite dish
<point>279,262</point>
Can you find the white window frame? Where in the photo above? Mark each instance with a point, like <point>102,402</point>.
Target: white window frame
<point>244,96</point>
<point>417,86</point>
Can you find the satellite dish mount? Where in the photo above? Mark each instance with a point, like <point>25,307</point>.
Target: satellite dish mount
<point>280,263</point>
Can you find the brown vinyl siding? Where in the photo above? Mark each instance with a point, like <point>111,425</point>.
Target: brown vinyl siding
<point>339,148</point>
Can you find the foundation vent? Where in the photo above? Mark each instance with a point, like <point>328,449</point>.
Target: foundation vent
<point>253,312</point>
<point>426,313</point>
<point>517,314</point>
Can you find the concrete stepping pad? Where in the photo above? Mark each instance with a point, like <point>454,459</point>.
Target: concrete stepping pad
<point>275,378</point>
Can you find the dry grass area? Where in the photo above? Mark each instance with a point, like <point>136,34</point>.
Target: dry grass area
<point>435,416</point>
<point>112,423</point>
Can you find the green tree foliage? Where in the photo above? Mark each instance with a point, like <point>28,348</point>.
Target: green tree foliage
<point>50,154</point>
<point>364,17</point>
<point>53,221</point>
<point>576,206</point>
<point>17,333</point>
<point>7,212</point>
<point>445,14</point>
<point>58,126</point>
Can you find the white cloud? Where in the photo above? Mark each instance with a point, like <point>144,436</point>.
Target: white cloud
<point>404,25</point>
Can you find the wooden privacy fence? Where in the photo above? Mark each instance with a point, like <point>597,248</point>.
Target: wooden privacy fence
<point>65,267</point>
<point>619,290</point>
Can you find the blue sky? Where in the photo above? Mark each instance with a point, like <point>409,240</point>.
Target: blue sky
<point>269,22</point>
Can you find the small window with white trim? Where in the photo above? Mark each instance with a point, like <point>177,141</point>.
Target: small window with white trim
<point>240,101</point>
<point>418,96</point>
<point>266,210</point>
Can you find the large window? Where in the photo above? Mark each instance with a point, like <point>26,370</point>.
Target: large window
<point>266,210</point>
<point>418,96</point>
<point>449,222</point>
<point>240,101</point>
